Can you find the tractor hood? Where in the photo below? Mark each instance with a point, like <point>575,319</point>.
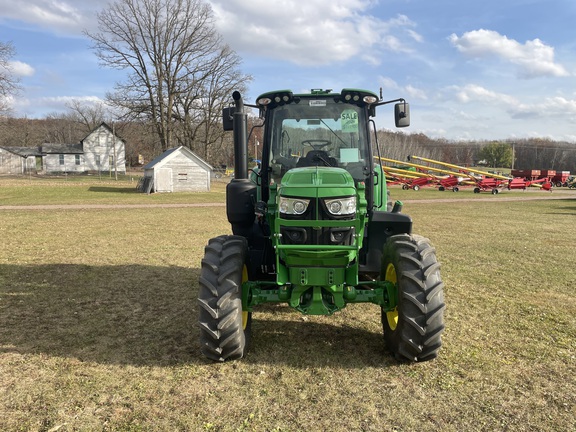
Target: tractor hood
<point>317,182</point>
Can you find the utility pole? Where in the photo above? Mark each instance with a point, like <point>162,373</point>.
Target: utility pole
<point>114,149</point>
<point>513,153</point>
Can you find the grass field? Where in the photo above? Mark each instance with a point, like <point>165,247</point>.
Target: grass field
<point>98,323</point>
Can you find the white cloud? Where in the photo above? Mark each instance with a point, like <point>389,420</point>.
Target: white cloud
<point>415,93</point>
<point>388,83</point>
<point>409,91</point>
<point>21,69</point>
<point>60,101</point>
<point>321,32</point>
<point>30,106</point>
<point>59,16</point>
<point>555,107</point>
<point>476,93</point>
<point>534,58</point>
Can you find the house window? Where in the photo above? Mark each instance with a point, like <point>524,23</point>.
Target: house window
<point>77,158</point>
<point>97,157</point>
<point>111,161</point>
<point>61,159</point>
<point>182,176</point>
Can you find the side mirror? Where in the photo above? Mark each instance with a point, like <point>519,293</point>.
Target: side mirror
<point>228,118</point>
<point>402,114</point>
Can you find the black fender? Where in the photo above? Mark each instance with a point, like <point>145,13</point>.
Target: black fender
<point>381,225</point>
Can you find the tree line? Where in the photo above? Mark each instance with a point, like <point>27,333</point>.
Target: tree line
<point>525,153</point>
<point>142,142</point>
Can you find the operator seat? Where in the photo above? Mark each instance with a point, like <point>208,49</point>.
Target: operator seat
<point>317,158</point>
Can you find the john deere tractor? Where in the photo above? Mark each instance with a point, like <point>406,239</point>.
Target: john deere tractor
<point>314,228</point>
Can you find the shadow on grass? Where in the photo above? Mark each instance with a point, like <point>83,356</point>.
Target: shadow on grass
<point>310,344</point>
<point>132,314</point>
<point>147,316</point>
<point>127,190</point>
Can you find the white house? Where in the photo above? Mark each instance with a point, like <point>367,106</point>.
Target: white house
<point>177,170</point>
<point>100,150</point>
<point>62,158</point>
<point>18,160</point>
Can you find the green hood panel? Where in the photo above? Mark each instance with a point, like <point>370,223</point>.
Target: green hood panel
<point>317,182</point>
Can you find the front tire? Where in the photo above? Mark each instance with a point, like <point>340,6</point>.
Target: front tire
<point>224,327</point>
<point>412,331</point>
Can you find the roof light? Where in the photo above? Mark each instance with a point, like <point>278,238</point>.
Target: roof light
<point>358,97</point>
<point>264,101</point>
<point>278,97</point>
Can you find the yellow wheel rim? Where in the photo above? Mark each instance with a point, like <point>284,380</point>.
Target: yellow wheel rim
<point>244,319</point>
<point>392,316</point>
<point>244,313</point>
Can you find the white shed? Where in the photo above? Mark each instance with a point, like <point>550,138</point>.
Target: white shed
<point>177,170</point>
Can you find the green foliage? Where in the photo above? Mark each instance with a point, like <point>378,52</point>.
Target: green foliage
<point>497,154</point>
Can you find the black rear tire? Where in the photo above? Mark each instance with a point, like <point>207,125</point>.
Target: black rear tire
<point>412,331</point>
<point>224,327</point>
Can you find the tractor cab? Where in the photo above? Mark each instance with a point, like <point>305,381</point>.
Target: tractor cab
<point>318,132</point>
<point>321,129</point>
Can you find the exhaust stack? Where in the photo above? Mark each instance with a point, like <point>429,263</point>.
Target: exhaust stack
<point>240,192</point>
<point>240,138</point>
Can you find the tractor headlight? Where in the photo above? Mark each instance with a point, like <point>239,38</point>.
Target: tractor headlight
<point>293,206</point>
<point>341,206</point>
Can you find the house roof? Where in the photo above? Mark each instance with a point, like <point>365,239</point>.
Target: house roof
<point>23,151</point>
<point>56,148</point>
<point>171,153</point>
<point>48,148</point>
<point>104,125</point>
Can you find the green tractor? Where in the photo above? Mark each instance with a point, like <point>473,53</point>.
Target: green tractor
<point>314,228</point>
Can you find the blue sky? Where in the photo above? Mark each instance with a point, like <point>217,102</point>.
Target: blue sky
<point>471,70</point>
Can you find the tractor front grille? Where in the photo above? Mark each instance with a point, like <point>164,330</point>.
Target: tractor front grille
<point>336,236</point>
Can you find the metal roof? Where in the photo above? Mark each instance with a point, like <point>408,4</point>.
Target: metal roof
<point>168,154</point>
<point>48,148</point>
<point>23,151</point>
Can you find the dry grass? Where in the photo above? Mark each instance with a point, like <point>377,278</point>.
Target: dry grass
<point>98,312</point>
<point>93,190</point>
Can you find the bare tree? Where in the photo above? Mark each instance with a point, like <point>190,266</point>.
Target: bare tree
<point>171,50</point>
<point>8,82</point>
<point>200,112</point>
<point>89,115</point>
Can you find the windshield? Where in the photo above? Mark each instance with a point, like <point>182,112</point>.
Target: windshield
<point>319,132</point>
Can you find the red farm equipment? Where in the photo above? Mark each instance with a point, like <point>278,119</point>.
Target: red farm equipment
<point>528,174</point>
<point>539,178</point>
<point>560,179</point>
<point>483,181</point>
<point>521,183</point>
<point>442,178</point>
<point>408,179</point>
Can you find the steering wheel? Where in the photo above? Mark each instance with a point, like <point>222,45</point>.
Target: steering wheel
<point>317,144</point>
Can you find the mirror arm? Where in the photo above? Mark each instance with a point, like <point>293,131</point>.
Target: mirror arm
<point>390,101</point>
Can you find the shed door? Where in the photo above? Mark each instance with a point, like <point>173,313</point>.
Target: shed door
<point>164,180</point>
